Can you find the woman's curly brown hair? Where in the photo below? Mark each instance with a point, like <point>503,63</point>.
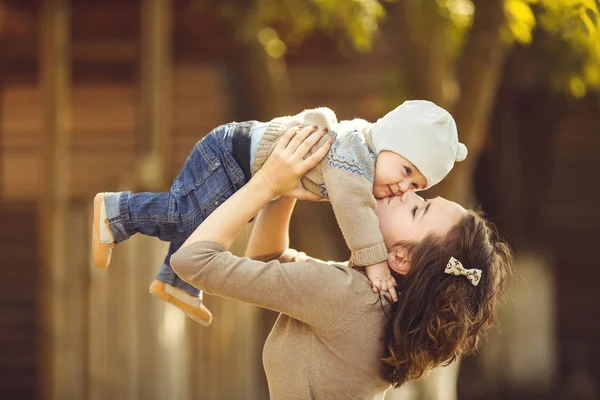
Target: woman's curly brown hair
<point>439,317</point>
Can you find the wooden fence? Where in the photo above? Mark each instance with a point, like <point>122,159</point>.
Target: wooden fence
<point>119,342</point>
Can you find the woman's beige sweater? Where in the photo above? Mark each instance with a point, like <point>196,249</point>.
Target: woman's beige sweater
<point>328,340</point>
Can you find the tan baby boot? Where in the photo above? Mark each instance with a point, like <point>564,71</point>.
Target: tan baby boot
<point>191,305</point>
<point>102,238</point>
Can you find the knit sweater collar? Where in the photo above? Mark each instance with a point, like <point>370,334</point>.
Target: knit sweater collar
<point>368,137</point>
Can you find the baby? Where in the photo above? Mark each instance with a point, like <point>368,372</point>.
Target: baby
<point>412,147</point>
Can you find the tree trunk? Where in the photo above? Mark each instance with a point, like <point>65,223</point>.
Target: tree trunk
<point>259,81</point>
<point>418,32</point>
<point>479,74</point>
<point>520,158</point>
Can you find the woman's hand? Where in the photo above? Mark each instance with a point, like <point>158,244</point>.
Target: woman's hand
<point>280,174</point>
<point>286,165</point>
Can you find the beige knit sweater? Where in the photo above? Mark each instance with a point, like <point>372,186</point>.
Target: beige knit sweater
<point>328,340</point>
<point>345,176</point>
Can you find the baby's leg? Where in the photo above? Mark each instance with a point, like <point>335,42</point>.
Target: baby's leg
<point>210,175</point>
<point>169,216</point>
<point>151,214</point>
<point>169,287</point>
<point>118,216</point>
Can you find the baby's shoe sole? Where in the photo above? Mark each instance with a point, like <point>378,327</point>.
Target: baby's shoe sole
<point>201,315</point>
<point>102,251</point>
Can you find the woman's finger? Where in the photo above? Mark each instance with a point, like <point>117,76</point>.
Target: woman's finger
<point>305,147</point>
<point>314,159</point>
<point>287,137</point>
<point>300,138</point>
<point>301,193</point>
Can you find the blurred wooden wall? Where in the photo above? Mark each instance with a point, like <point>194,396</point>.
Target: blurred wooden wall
<point>19,314</point>
<point>112,338</point>
<point>117,340</point>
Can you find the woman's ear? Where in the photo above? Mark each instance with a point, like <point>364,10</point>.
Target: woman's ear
<point>398,261</point>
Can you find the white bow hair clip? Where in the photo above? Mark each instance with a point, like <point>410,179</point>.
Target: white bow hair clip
<point>455,267</point>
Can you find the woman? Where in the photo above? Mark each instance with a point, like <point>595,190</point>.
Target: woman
<point>334,337</point>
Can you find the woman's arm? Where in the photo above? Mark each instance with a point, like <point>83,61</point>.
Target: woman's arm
<point>226,222</point>
<point>298,289</point>
<point>270,237</point>
<point>270,234</point>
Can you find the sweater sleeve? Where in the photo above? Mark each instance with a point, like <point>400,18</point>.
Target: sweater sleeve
<point>322,117</point>
<point>353,203</point>
<point>292,255</point>
<point>297,289</point>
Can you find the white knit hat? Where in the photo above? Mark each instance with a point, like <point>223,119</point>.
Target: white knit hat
<point>423,133</point>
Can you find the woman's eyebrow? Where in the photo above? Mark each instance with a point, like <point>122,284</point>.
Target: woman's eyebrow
<point>426,209</point>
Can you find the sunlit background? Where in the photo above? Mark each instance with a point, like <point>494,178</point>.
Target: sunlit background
<point>107,95</point>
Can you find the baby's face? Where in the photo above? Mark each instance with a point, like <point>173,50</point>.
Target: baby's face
<point>394,174</point>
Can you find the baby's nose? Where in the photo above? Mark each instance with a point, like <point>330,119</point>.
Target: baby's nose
<point>411,197</point>
<point>404,186</point>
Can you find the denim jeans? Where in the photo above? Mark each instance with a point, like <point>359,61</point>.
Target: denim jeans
<point>209,176</point>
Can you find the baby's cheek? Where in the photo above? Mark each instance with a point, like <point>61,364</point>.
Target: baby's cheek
<point>379,193</point>
<point>379,177</point>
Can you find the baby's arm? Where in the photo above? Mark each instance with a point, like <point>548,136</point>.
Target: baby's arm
<point>380,276</point>
<point>353,203</point>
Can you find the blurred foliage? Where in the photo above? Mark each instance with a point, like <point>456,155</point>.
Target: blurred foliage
<point>572,27</point>
<point>576,24</point>
<point>278,23</point>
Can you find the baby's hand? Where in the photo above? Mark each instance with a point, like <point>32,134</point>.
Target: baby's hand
<point>382,279</point>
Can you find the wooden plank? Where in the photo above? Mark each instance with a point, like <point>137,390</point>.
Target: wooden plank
<point>25,185</point>
<point>156,94</point>
<point>195,81</point>
<point>18,317</point>
<point>24,142</point>
<point>96,108</point>
<point>109,20</point>
<point>157,356</point>
<point>22,107</point>
<point>98,348</point>
<point>1,130</point>
<point>95,50</point>
<point>75,295</point>
<point>55,341</point>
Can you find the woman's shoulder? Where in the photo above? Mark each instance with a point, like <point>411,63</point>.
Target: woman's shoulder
<point>350,284</point>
